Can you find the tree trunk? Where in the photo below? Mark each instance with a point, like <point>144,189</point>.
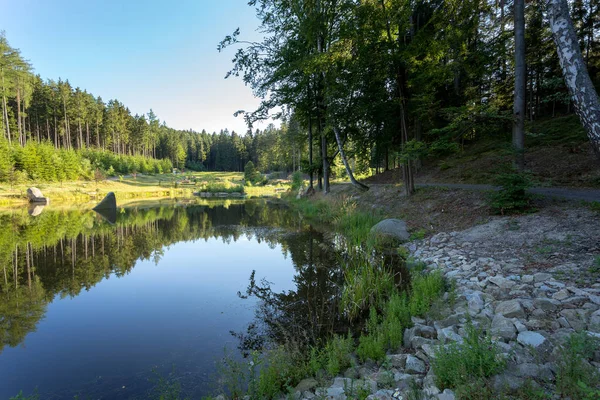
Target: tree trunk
<point>19,128</point>
<point>518,133</point>
<point>310,154</point>
<point>577,79</point>
<point>345,161</point>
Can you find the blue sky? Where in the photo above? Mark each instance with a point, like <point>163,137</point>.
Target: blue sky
<point>155,54</point>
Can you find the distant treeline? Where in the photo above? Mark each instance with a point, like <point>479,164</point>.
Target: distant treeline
<point>69,130</point>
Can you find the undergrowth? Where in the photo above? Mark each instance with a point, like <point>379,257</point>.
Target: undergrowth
<point>464,367</point>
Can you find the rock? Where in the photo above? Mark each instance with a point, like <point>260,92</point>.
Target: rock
<point>529,338</point>
<point>394,229</point>
<point>576,318</point>
<point>502,282</point>
<point>425,331</point>
<point>397,360</point>
<point>503,327</point>
<point>342,382</point>
<point>383,394</point>
<point>506,381</point>
<point>447,394</point>
<point>594,324</point>
<point>475,303</point>
<point>335,393</point>
<point>510,309</point>
<point>414,365</point>
<point>108,202</point>
<point>306,384</point>
<point>34,195</point>
<point>449,334</point>
<point>541,277</point>
<point>561,295</point>
<point>36,209</point>
<point>545,304</point>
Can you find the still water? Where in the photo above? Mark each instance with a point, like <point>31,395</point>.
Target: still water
<point>96,309</point>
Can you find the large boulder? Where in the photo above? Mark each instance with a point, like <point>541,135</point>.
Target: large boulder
<point>34,195</point>
<point>108,202</point>
<point>390,231</point>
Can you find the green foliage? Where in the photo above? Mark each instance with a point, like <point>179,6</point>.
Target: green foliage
<point>297,180</point>
<point>418,235</point>
<point>336,354</point>
<point>21,396</point>
<point>464,366</point>
<point>576,378</point>
<point>222,187</point>
<point>372,342</point>
<point>512,196</point>
<point>365,286</point>
<point>425,289</point>
<point>251,174</point>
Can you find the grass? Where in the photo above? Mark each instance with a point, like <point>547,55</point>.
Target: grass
<point>343,215</point>
<point>576,378</point>
<point>140,186</point>
<point>464,367</point>
<point>385,331</point>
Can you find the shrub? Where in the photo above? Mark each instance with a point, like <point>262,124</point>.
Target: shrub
<point>512,196</point>
<point>297,180</point>
<point>576,377</point>
<point>460,366</point>
<point>425,289</point>
<point>251,174</point>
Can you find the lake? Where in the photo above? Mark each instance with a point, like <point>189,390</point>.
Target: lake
<point>103,309</point>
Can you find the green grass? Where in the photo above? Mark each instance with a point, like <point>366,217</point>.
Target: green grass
<point>344,216</point>
<point>576,378</point>
<point>465,367</point>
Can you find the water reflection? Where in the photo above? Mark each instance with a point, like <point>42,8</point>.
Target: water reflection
<point>63,254</point>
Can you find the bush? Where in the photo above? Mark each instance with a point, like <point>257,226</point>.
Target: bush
<point>512,196</point>
<point>251,174</point>
<point>576,377</point>
<point>297,180</point>
<point>464,367</point>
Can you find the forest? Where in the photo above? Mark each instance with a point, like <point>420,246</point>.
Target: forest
<point>52,131</point>
<point>378,83</point>
<point>394,81</point>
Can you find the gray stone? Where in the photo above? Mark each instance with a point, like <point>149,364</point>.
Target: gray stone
<point>383,394</point>
<point>306,384</point>
<point>449,334</point>
<point>541,277</point>
<point>561,295</point>
<point>527,278</point>
<point>34,195</point>
<point>475,303</point>
<point>529,338</point>
<point>503,327</point>
<point>506,381</point>
<point>510,309</point>
<point>335,393</point>
<point>397,360</point>
<point>545,304</point>
<point>594,324</point>
<point>447,394</point>
<point>342,382</point>
<point>425,331</point>
<point>394,229</point>
<point>414,365</point>
<point>502,282</point>
<point>576,318</point>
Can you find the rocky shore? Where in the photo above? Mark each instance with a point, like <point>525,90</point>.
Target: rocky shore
<point>528,282</point>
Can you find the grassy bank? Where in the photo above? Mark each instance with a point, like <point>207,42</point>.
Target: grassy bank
<point>136,187</point>
<point>378,304</point>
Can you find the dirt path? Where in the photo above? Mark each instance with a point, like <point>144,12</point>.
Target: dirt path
<point>564,193</point>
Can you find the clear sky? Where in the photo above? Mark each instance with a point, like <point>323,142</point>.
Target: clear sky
<point>159,54</point>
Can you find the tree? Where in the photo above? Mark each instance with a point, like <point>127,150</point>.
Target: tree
<point>518,136</point>
<point>574,70</point>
